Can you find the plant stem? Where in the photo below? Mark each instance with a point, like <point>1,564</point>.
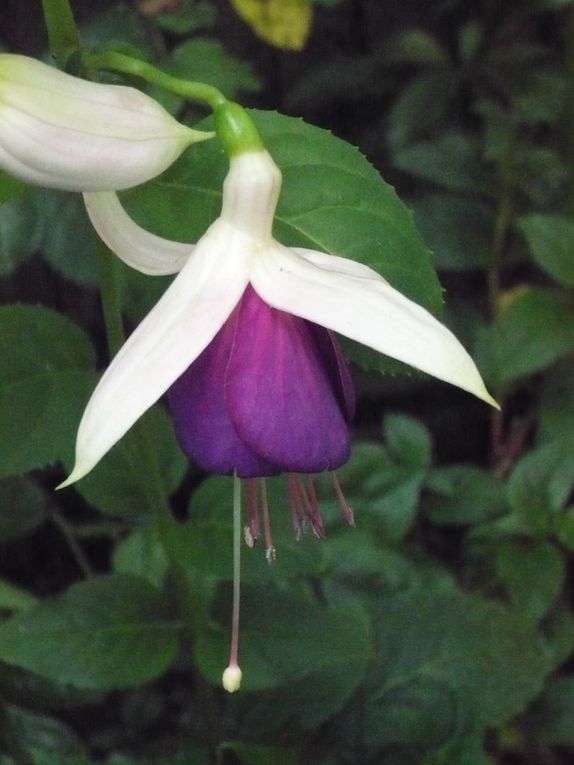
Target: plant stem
<point>63,35</point>
<point>501,227</point>
<point>110,295</point>
<point>118,62</point>
<point>502,223</point>
<point>68,532</point>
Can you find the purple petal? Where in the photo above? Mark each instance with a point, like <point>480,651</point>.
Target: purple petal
<point>280,392</point>
<point>202,425</point>
<point>336,368</point>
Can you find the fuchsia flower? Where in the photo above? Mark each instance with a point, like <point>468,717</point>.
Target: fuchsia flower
<point>242,339</point>
<point>242,342</point>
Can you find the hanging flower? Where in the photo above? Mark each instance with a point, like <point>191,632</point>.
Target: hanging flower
<point>243,343</point>
<point>242,336</point>
<point>67,133</point>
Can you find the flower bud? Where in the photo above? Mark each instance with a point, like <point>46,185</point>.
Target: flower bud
<point>63,132</point>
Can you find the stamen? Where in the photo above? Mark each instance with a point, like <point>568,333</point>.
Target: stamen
<point>312,507</point>
<point>347,512</point>
<point>252,511</point>
<point>232,675</point>
<point>248,536</point>
<point>296,512</point>
<point>269,549</point>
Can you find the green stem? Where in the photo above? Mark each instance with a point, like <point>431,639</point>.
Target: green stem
<point>63,35</point>
<point>502,224</point>
<point>110,295</point>
<point>118,62</point>
<point>78,554</point>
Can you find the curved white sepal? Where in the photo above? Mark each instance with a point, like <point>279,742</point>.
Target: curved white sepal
<point>336,264</point>
<point>62,132</point>
<point>172,335</point>
<point>137,247</point>
<point>369,311</point>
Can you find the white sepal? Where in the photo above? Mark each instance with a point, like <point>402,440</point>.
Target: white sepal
<point>137,247</point>
<point>62,132</point>
<point>367,310</point>
<point>173,334</point>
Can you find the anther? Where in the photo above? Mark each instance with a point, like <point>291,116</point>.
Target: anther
<point>269,549</point>
<point>347,512</point>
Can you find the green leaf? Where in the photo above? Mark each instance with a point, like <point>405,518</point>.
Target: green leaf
<point>421,108</point>
<point>532,574</point>
<point>470,38</point>
<point>542,176</point>
<point>558,630</point>
<point>22,507</point>
<point>14,598</point>
<point>32,691</point>
<point>141,554</point>
<point>557,403</point>
<point>9,187</point>
<point>36,340</point>
<point>206,61</point>
<point>119,23</point>
<point>415,46</point>
<point>457,229</point>
<point>452,162</point>
<point>385,490</point>
<point>551,243</point>
<point>116,486</point>
<point>68,247</point>
<point>51,740</point>
<point>188,17</point>
<point>541,482</point>
<point>256,754</point>
<point>461,495</point>
<point>355,556</point>
<point>39,416</point>
<point>563,527</point>
<point>550,719</point>
<point>533,332</point>
<point>19,232</point>
<point>107,632</point>
<point>408,441</point>
<point>466,750</point>
<point>308,656</point>
<point>541,97</point>
<point>44,385</point>
<point>332,200</point>
<point>446,657</point>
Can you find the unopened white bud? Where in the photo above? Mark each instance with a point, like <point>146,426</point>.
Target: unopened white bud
<point>63,132</point>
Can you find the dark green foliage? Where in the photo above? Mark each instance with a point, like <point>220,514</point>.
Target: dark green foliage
<point>440,630</point>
